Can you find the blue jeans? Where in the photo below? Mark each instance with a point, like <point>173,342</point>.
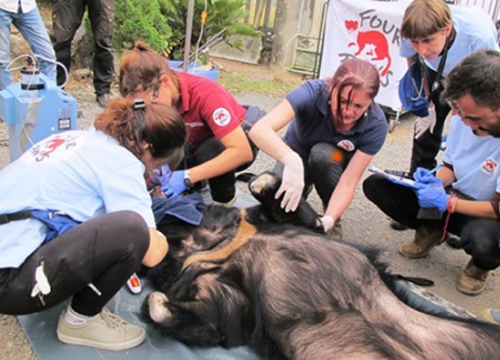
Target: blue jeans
<point>31,27</point>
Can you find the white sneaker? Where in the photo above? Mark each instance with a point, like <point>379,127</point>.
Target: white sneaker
<point>134,284</point>
<point>104,331</point>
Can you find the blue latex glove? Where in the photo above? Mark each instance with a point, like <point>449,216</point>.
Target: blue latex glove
<point>432,196</point>
<point>176,185</point>
<point>161,176</point>
<point>424,176</point>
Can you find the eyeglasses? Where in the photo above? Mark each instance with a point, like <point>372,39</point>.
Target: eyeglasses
<point>454,108</point>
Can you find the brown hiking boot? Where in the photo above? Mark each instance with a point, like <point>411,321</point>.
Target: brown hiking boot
<point>472,280</point>
<point>426,238</point>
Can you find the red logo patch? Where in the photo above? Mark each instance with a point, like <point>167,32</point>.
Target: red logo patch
<point>489,166</point>
<point>346,145</point>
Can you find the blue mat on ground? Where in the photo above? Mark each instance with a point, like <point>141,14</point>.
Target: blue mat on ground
<point>41,331</point>
<point>40,328</point>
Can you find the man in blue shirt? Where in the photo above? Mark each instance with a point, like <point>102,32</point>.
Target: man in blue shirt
<point>470,174</point>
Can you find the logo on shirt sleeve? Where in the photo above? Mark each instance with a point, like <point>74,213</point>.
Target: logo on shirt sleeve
<point>221,117</point>
<point>489,166</point>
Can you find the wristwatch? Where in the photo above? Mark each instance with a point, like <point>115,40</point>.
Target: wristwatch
<point>187,179</point>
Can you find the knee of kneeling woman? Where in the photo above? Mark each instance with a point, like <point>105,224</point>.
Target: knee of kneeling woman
<point>371,186</point>
<point>158,249</point>
<point>208,150</point>
<point>133,231</point>
<point>323,154</point>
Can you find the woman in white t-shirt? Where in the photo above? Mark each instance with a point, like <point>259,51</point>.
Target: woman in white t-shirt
<point>76,220</point>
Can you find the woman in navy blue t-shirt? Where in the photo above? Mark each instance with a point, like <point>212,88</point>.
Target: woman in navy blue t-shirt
<point>335,130</point>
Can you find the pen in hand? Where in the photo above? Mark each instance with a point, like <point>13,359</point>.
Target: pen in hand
<point>433,171</point>
<point>426,176</point>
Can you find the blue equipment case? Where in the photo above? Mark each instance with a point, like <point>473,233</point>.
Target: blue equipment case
<point>195,69</point>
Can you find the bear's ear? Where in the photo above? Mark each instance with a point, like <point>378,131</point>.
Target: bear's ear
<point>264,186</point>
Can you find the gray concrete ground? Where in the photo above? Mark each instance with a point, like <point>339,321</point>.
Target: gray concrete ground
<point>362,223</point>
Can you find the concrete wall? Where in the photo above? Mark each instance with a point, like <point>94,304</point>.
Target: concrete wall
<point>252,48</point>
<point>285,29</point>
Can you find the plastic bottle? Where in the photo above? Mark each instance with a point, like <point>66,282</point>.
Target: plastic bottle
<point>30,82</point>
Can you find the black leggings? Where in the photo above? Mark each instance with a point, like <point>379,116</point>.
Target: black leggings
<point>323,168</point>
<point>479,237</point>
<point>222,187</point>
<point>104,251</point>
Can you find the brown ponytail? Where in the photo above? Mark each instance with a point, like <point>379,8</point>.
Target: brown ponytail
<point>141,69</point>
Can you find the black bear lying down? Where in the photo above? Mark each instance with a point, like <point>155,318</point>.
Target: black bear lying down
<point>252,277</point>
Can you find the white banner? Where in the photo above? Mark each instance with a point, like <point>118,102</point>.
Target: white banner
<point>370,30</point>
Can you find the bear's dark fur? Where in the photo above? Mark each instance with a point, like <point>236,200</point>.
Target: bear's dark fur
<point>289,292</point>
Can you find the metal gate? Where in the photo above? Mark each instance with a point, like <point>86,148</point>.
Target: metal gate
<point>492,7</point>
<point>305,46</point>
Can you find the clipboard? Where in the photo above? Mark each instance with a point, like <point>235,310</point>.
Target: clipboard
<point>394,178</point>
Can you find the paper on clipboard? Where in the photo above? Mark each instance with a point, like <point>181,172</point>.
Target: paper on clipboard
<point>394,178</point>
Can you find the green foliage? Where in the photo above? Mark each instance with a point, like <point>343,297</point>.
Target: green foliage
<point>162,24</point>
<point>222,14</point>
<point>140,20</point>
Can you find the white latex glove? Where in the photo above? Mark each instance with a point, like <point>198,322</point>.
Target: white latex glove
<point>292,183</point>
<point>425,123</point>
<point>327,222</point>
